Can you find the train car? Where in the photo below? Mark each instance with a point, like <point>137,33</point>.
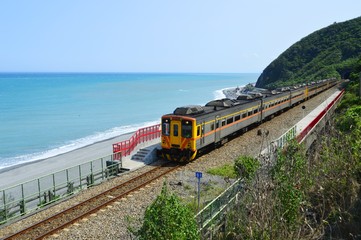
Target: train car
<point>191,129</point>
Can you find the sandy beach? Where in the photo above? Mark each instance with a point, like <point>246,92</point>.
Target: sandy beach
<point>28,171</point>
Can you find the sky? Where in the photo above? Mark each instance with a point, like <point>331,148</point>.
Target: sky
<point>204,36</point>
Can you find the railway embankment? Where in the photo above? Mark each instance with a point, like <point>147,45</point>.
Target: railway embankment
<point>112,222</point>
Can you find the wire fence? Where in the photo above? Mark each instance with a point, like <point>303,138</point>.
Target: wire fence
<point>214,210</point>
<point>33,195</point>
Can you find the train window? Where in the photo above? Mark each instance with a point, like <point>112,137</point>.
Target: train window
<point>175,130</point>
<point>238,117</point>
<point>230,120</point>
<point>255,111</point>
<point>249,113</point>
<point>212,127</point>
<point>217,124</point>
<point>244,115</point>
<point>223,122</point>
<point>165,126</point>
<point>186,129</point>
<point>198,130</point>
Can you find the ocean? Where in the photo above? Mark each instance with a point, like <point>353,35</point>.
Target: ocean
<point>47,114</point>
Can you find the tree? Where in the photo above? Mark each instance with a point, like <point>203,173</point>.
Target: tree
<point>168,218</point>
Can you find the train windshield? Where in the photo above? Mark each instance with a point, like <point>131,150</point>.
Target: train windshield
<point>165,126</point>
<point>186,129</point>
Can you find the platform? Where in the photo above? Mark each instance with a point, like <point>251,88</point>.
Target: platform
<point>314,114</point>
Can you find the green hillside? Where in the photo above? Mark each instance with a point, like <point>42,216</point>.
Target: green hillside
<point>330,52</point>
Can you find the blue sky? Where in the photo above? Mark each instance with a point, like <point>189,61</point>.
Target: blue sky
<point>158,35</point>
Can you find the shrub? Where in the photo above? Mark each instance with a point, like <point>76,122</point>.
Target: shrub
<point>168,218</point>
<point>246,167</point>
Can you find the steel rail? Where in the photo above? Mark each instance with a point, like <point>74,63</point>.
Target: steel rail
<point>79,211</point>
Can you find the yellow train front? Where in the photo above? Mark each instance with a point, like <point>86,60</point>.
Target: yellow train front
<point>178,137</point>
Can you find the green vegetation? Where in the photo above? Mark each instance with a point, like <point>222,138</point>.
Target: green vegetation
<point>291,180</point>
<point>168,218</point>
<point>246,167</point>
<point>226,170</point>
<point>270,207</point>
<point>331,52</point>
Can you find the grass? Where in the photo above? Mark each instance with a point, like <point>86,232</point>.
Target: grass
<point>226,170</point>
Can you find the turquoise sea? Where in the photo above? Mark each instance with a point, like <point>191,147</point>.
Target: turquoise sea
<point>46,114</point>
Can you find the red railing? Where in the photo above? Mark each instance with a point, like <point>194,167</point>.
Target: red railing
<point>314,122</point>
<point>140,136</point>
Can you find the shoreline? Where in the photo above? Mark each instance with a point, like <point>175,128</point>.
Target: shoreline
<point>73,145</point>
<point>8,168</point>
<point>27,171</point>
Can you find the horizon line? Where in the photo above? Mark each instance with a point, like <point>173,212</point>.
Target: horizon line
<point>116,72</point>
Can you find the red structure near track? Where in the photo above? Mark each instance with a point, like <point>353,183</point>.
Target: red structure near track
<point>315,121</point>
<point>140,136</point>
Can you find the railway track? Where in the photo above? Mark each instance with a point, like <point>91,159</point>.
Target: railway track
<point>77,212</point>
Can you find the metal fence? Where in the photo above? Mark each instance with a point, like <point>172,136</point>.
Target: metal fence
<point>215,209</point>
<point>30,196</point>
<point>286,137</point>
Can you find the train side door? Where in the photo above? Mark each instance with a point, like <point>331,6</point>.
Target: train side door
<point>261,108</point>
<point>201,133</point>
<point>176,133</point>
<point>290,99</point>
<point>217,131</point>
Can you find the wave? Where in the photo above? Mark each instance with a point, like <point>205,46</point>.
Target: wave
<point>74,144</point>
<point>219,94</point>
<point>226,92</point>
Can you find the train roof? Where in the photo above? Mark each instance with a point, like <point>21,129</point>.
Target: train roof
<point>189,110</point>
<point>250,99</point>
<point>212,106</point>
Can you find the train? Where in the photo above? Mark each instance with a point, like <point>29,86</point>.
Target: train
<point>190,130</point>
